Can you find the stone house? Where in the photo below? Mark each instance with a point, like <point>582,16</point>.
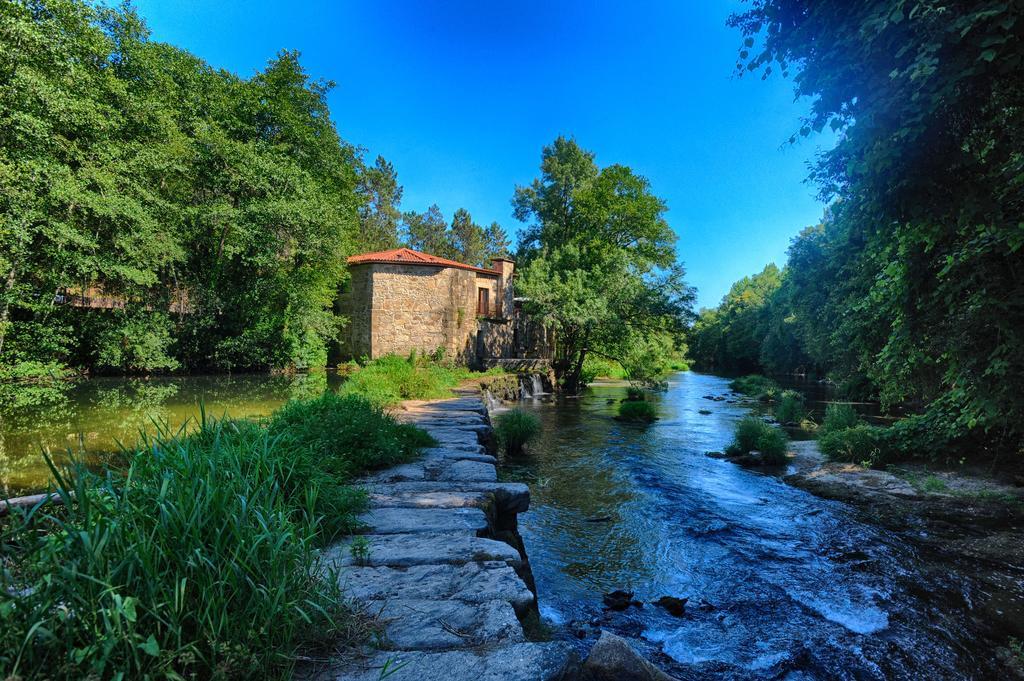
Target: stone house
<point>402,300</point>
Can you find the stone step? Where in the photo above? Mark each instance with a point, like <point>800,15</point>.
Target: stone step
<point>437,469</point>
<point>421,548</point>
<point>441,499</point>
<point>446,435</point>
<point>510,497</point>
<point>431,425</point>
<point>405,520</point>
<point>440,418</point>
<point>550,661</point>
<point>470,404</point>
<point>469,583</point>
<point>417,624</point>
<point>445,453</point>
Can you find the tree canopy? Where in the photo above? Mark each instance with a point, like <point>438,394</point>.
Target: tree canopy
<point>910,290</point>
<point>598,263</point>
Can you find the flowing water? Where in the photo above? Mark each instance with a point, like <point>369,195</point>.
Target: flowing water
<point>92,418</point>
<point>781,584</point>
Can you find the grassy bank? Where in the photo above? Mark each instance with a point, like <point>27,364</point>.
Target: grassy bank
<point>391,379</point>
<point>199,559</point>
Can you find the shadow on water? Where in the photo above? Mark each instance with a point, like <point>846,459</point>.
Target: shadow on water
<point>781,584</point>
<point>93,417</point>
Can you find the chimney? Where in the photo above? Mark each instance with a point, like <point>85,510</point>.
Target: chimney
<point>505,267</point>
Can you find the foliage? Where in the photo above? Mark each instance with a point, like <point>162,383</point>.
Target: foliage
<point>598,263</point>
<point>790,407</point>
<point>199,560</point>
<point>464,241</point>
<point>634,393</point>
<point>909,290</point>
<point>838,417</point>
<point>379,215</point>
<point>637,411</point>
<point>753,434</point>
<point>599,367</point>
<point>515,429</point>
<point>755,385</point>
<point>859,444</point>
<point>346,433</point>
<point>218,211</point>
<point>391,379</point>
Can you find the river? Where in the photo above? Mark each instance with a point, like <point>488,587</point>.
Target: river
<point>781,584</point>
<point>91,419</point>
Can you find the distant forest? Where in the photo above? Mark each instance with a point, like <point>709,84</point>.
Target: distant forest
<point>911,289</point>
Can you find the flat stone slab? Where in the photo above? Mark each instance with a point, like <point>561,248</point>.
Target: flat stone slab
<point>470,404</point>
<point>516,662</point>
<point>385,498</point>
<point>439,469</point>
<point>405,520</point>
<point>416,624</point>
<point>431,426</point>
<point>444,453</point>
<point>446,435</point>
<point>469,583</point>
<point>422,548</point>
<point>512,497</point>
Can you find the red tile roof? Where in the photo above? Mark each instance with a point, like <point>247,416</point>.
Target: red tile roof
<point>407,256</point>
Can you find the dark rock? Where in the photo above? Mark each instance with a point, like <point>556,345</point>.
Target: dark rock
<point>612,659</point>
<point>704,412</point>
<point>717,455</point>
<point>600,519</point>
<point>674,606</point>
<point>706,606</point>
<point>620,600</point>
<point>709,397</point>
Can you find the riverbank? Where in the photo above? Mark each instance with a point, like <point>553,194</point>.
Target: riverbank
<point>441,565</point>
<point>970,522</point>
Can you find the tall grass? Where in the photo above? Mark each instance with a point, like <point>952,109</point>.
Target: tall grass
<point>755,385</point>
<point>637,411</point>
<point>391,379</point>
<point>515,429</point>
<point>753,434</point>
<point>790,407</point>
<point>199,559</point>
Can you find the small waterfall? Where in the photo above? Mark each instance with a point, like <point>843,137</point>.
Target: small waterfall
<point>524,389</point>
<point>492,402</point>
<point>538,386</point>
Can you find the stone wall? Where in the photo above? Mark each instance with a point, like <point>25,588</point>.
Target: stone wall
<point>413,307</point>
<point>354,303</point>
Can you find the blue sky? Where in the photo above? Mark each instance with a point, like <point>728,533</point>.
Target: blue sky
<point>461,96</point>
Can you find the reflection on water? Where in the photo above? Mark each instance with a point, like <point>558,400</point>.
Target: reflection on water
<point>100,413</point>
<point>781,584</point>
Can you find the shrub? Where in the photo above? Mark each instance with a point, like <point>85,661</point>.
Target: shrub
<point>838,417</point>
<point>200,559</point>
<point>391,379</point>
<point>634,394</point>
<point>346,433</point>
<point>515,429</point>
<point>859,444</point>
<point>197,562</point>
<point>753,434</point>
<point>790,408</point>
<point>637,411</point>
<point>755,385</point>
<point>599,367</point>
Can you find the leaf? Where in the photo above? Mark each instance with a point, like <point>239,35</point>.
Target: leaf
<point>988,55</point>
<point>128,608</point>
<point>150,647</point>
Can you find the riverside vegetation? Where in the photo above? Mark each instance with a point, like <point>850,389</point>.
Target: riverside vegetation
<point>199,557</point>
<point>909,289</point>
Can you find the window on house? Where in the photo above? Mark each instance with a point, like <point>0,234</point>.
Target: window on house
<point>482,307</point>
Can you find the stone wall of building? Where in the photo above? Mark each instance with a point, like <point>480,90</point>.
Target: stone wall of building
<point>354,303</point>
<point>420,308</point>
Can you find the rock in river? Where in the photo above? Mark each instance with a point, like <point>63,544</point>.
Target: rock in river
<point>674,606</point>
<point>620,600</point>
<point>611,659</point>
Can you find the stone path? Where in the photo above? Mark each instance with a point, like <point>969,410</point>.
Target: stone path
<point>449,593</point>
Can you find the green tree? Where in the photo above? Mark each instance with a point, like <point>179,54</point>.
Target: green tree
<point>924,243</point>
<point>599,261</point>
<point>469,239</point>
<point>378,215</point>
<point>428,232</point>
<point>498,245</point>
